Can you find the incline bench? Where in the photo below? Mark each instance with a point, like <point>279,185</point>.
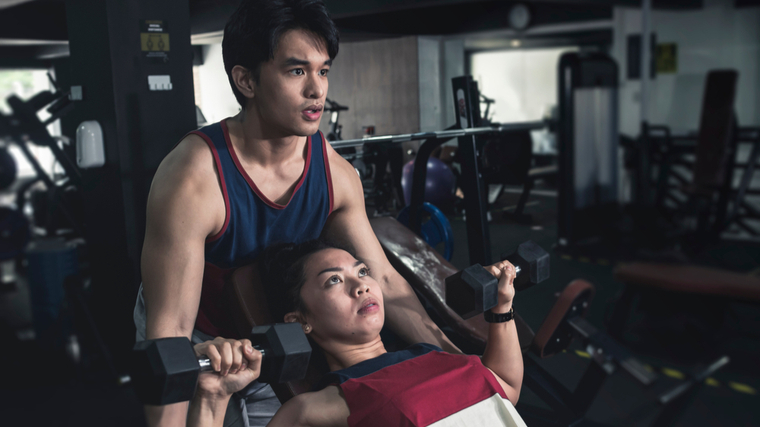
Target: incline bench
<point>414,259</point>
<point>425,270</point>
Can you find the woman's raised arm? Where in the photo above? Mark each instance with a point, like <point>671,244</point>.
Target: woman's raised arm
<point>503,355</point>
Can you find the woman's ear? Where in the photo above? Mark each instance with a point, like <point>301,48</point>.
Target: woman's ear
<point>243,80</point>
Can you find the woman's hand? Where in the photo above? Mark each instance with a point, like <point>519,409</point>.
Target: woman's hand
<point>505,272</point>
<point>235,362</point>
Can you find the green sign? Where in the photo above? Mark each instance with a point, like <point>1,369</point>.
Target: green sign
<point>667,58</point>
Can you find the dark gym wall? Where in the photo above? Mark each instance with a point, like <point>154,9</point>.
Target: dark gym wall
<point>378,81</point>
<point>139,127</point>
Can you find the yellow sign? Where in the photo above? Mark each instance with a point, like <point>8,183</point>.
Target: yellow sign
<point>667,58</point>
<point>154,42</point>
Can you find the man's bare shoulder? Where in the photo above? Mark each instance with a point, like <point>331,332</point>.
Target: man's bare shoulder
<point>346,183</point>
<point>190,161</point>
<point>187,184</point>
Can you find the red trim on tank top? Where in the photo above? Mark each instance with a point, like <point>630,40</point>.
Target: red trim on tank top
<point>327,170</point>
<point>250,182</point>
<point>221,180</point>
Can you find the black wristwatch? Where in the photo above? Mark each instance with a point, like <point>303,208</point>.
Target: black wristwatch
<point>492,317</point>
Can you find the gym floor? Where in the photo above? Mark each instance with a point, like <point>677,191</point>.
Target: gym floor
<point>729,396</point>
<point>42,387</point>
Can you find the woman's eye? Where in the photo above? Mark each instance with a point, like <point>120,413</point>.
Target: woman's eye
<point>324,72</point>
<point>333,280</point>
<point>297,72</point>
<point>364,271</point>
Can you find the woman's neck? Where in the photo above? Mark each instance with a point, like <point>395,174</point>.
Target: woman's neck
<point>341,356</point>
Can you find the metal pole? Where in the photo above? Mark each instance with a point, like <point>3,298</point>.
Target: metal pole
<point>644,191</point>
<point>472,184</point>
<point>442,134</point>
<point>646,56</point>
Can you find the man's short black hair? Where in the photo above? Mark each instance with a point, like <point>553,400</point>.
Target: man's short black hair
<point>253,31</point>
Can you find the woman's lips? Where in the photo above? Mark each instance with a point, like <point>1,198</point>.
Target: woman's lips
<point>372,307</point>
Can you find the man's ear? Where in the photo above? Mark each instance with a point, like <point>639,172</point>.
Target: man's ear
<point>295,317</point>
<point>243,79</point>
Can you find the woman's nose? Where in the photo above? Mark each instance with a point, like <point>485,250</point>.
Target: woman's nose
<point>360,288</point>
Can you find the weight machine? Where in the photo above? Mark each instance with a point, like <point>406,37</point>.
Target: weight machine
<point>469,132</point>
<point>60,272</point>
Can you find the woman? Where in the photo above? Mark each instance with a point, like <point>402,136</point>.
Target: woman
<point>340,307</point>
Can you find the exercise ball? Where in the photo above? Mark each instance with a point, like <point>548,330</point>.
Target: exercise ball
<point>440,183</point>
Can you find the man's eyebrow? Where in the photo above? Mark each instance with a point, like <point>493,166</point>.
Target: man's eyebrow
<point>295,61</point>
<point>328,270</point>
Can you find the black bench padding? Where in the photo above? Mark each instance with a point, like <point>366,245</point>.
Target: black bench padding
<point>426,270</point>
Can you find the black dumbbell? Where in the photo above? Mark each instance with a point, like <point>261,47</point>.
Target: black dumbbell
<point>474,290</point>
<point>166,370</point>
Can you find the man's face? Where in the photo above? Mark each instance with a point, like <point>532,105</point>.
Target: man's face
<point>292,87</point>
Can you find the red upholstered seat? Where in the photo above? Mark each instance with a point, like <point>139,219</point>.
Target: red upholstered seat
<point>691,279</point>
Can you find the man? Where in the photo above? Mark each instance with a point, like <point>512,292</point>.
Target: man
<point>266,175</point>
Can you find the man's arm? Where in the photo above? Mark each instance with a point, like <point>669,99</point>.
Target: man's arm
<point>348,223</point>
<point>185,206</point>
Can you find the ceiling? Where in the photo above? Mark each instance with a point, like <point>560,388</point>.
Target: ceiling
<point>37,28</point>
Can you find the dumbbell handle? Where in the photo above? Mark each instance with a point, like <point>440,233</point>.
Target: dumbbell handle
<point>205,362</point>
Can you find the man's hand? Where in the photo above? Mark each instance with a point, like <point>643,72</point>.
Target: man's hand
<point>235,362</point>
<point>506,273</point>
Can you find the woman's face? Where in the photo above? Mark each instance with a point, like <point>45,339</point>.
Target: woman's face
<point>343,301</point>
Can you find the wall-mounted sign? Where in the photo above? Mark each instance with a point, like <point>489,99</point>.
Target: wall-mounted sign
<point>154,40</point>
<point>667,58</point>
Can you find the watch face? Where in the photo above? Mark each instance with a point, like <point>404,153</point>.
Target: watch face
<point>519,17</point>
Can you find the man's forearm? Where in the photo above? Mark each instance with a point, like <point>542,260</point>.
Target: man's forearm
<point>406,316</point>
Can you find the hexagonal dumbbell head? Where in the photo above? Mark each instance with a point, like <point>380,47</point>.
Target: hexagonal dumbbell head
<point>164,371</point>
<point>286,351</point>
<point>471,291</point>
<point>532,259</point>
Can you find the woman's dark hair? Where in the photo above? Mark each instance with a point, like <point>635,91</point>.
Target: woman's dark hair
<point>253,31</point>
<point>281,267</point>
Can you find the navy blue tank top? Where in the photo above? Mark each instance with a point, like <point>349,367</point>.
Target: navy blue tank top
<point>254,222</point>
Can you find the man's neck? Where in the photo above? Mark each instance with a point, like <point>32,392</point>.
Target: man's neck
<point>258,143</point>
<point>341,356</point>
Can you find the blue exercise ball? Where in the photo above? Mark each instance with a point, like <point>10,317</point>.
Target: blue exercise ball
<point>440,184</point>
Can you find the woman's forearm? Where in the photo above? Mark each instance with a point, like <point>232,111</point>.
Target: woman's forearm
<point>207,410</point>
<point>503,355</point>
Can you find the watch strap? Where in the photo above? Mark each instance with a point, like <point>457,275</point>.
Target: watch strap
<point>492,317</point>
